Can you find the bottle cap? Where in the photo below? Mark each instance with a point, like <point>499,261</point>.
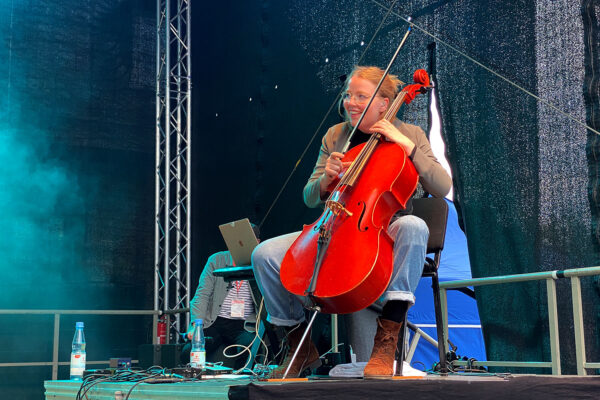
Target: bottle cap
<point>198,321</point>
<point>78,324</point>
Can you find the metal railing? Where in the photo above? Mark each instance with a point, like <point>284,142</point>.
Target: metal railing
<point>550,277</point>
<point>57,314</point>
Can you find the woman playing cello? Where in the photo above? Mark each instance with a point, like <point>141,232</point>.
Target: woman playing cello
<point>408,232</point>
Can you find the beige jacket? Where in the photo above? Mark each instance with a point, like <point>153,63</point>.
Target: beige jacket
<point>432,175</point>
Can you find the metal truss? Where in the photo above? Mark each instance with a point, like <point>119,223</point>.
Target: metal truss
<point>173,163</point>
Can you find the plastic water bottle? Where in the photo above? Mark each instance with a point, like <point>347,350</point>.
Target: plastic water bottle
<point>78,353</point>
<point>198,353</point>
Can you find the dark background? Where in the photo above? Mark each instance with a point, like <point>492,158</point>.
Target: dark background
<point>77,129</point>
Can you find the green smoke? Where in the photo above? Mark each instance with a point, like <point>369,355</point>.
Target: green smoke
<point>40,219</point>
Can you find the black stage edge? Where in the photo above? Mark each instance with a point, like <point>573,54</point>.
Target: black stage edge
<point>455,388</point>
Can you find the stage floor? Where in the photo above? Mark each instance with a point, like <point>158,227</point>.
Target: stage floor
<point>457,387</point>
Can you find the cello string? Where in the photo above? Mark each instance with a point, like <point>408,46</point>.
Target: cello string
<point>490,70</point>
<point>389,115</point>
<point>318,130</point>
<point>359,163</point>
<point>367,151</point>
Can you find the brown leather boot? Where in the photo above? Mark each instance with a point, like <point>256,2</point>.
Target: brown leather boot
<point>381,363</point>
<point>308,356</point>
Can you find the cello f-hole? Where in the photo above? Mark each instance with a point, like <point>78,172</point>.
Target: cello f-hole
<point>362,214</point>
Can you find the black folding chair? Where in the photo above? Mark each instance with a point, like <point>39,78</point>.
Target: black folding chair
<point>434,211</point>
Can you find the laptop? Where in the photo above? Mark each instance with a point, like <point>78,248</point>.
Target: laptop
<point>240,240</point>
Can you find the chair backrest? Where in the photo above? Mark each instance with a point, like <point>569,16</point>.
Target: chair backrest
<point>434,211</point>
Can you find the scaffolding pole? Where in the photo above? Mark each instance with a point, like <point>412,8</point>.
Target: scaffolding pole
<point>172,249</point>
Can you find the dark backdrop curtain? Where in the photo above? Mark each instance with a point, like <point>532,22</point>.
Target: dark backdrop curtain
<point>522,176</point>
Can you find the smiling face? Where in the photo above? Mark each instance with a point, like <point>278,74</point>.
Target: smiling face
<point>357,96</point>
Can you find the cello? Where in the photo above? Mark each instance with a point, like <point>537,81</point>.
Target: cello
<point>343,261</point>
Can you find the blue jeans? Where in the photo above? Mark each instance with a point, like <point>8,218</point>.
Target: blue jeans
<point>410,236</point>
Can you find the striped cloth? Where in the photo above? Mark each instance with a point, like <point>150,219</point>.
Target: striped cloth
<point>238,290</point>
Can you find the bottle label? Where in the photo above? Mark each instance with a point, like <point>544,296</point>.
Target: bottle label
<point>77,364</point>
<point>197,359</point>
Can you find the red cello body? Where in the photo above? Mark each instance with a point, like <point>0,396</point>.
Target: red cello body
<point>356,267</point>
<point>358,264</point>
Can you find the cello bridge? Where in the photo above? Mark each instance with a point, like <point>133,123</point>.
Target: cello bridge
<point>337,208</point>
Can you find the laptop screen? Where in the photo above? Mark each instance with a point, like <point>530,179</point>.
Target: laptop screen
<point>240,240</point>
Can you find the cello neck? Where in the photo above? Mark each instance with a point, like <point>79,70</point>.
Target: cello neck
<point>354,171</point>
<point>392,110</point>
<point>405,96</point>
